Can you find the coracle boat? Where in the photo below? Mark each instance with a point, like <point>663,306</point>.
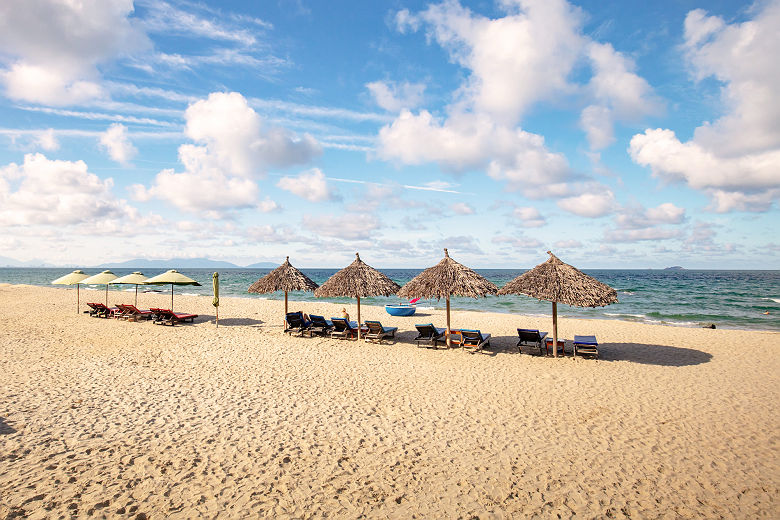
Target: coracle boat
<point>403,309</point>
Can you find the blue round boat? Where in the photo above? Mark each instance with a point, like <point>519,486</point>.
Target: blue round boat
<point>400,310</point>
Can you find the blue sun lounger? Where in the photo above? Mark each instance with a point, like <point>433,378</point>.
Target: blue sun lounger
<point>586,345</point>
<point>376,332</point>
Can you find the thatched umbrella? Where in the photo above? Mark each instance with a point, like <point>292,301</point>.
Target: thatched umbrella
<point>556,281</point>
<point>283,278</point>
<point>357,280</point>
<point>445,279</point>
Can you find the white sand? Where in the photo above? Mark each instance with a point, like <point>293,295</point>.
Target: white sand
<point>116,419</point>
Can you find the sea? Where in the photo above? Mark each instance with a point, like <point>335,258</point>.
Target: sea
<point>747,300</point>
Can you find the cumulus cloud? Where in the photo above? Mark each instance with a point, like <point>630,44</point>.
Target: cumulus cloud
<point>591,204</point>
<point>529,216</point>
<point>310,185</point>
<point>461,208</point>
<point>522,242</point>
<point>636,218</point>
<point>734,158</point>
<point>351,226</point>
<point>55,47</point>
<point>46,192</point>
<point>394,97</point>
<point>567,244</point>
<point>232,148</point>
<point>48,141</point>
<point>513,63</point>
<point>117,143</point>
<point>619,93</point>
<point>638,235</point>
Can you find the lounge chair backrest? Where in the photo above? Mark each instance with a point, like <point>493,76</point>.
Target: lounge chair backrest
<point>427,330</point>
<point>340,324</point>
<point>529,335</point>
<point>294,319</point>
<point>318,321</point>
<point>471,335</point>
<point>374,327</point>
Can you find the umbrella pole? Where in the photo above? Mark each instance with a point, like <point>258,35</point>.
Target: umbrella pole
<point>136,295</point>
<point>555,328</point>
<point>285,309</point>
<point>77,298</point>
<point>171,297</point>
<point>106,295</point>
<point>449,334</point>
<point>358,299</point>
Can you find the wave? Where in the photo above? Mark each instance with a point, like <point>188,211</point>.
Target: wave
<point>776,300</point>
<point>625,314</point>
<point>189,294</point>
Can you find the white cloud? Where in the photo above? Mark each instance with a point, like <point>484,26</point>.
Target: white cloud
<point>636,218</point>
<point>529,216</point>
<point>524,243</point>
<point>591,204</point>
<point>310,185</point>
<point>394,97</point>
<point>268,206</point>
<point>117,143</point>
<point>48,141</point>
<point>46,192</point>
<point>638,235</point>
<point>233,148</point>
<point>734,158</point>
<point>56,47</point>
<point>567,244</point>
<point>351,226</point>
<point>461,208</point>
<point>618,92</point>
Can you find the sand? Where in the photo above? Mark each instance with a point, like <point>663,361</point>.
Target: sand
<point>113,419</point>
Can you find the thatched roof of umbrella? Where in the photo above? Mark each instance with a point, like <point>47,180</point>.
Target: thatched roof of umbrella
<point>358,280</point>
<point>557,281</point>
<point>447,278</point>
<point>283,278</point>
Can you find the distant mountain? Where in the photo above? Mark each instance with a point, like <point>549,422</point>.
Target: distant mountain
<point>10,262</point>
<point>674,268</point>
<point>173,263</point>
<point>262,265</point>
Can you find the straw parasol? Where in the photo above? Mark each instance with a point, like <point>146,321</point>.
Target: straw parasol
<point>74,278</point>
<point>283,278</point>
<point>103,278</point>
<point>357,280</point>
<point>134,278</point>
<point>445,279</point>
<point>557,281</point>
<point>172,277</point>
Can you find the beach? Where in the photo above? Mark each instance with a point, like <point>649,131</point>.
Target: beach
<point>108,418</point>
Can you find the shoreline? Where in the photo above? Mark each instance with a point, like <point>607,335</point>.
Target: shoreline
<point>110,418</point>
<point>685,325</point>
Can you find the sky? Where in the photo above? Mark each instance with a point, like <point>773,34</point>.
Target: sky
<point>615,134</point>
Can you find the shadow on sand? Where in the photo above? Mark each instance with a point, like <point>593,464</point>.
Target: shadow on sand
<point>660,355</point>
<point>230,322</point>
<point>5,428</point>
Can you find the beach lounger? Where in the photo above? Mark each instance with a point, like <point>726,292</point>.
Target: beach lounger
<point>131,312</point>
<point>532,336</point>
<point>319,325</point>
<point>474,339</point>
<point>168,317</point>
<point>99,310</point>
<point>376,332</point>
<point>429,334</point>
<point>294,323</point>
<point>586,345</point>
<point>343,329</point>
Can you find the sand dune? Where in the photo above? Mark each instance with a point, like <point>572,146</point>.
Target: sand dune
<point>106,418</point>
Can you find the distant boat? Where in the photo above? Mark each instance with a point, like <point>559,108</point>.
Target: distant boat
<point>403,309</point>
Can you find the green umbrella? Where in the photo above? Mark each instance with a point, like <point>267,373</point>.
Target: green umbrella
<point>172,277</point>
<point>215,301</point>
<point>101,279</point>
<point>74,278</point>
<point>134,278</point>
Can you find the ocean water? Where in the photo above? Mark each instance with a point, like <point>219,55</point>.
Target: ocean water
<point>730,299</point>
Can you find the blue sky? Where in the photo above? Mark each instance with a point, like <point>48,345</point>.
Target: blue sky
<point>616,134</point>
